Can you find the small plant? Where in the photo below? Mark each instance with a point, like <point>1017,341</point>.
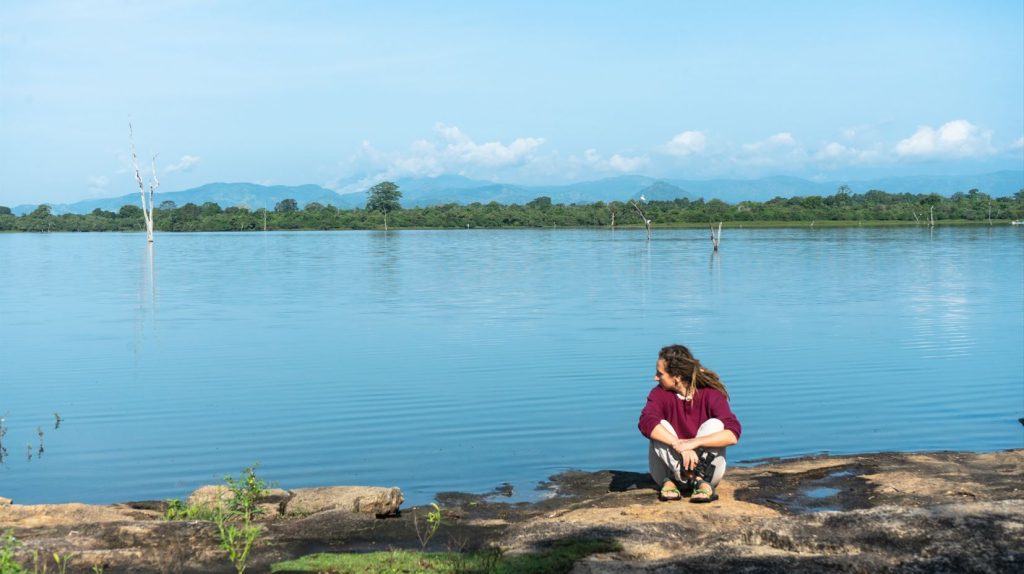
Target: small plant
<point>62,561</point>
<point>8,546</point>
<point>425,532</point>
<point>97,569</point>
<point>237,541</point>
<point>247,490</point>
<point>39,567</point>
<point>178,510</point>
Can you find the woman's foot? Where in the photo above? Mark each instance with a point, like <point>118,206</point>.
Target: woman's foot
<point>703,492</point>
<point>669,491</point>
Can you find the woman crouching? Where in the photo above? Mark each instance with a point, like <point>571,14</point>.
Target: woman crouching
<point>688,419</point>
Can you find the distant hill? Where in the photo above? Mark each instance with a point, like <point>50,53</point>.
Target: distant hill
<point>662,191</point>
<point>252,195</point>
<point>417,192</point>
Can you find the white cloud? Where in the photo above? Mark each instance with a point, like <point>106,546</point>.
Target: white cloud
<point>452,151</point>
<point>835,154</point>
<point>455,152</point>
<point>98,184</point>
<point>955,139</point>
<point>627,164</point>
<point>778,141</point>
<point>779,151</point>
<point>184,164</point>
<point>461,149</point>
<point>617,162</point>
<point>834,150</point>
<point>686,143</point>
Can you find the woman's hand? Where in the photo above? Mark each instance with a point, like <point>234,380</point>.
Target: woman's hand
<point>686,453</point>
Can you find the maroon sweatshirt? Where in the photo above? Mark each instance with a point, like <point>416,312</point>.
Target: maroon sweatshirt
<point>686,416</point>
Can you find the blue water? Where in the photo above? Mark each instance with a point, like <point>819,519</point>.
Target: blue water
<point>459,360</point>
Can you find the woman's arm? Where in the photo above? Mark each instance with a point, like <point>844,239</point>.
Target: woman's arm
<point>687,447</point>
<point>662,434</point>
<point>714,440</point>
<point>652,415</point>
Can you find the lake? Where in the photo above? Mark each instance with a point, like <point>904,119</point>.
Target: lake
<point>461,360</point>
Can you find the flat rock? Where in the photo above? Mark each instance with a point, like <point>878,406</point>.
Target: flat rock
<point>373,500</point>
<point>5,501</point>
<point>45,515</point>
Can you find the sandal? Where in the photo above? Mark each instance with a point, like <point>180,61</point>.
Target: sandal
<point>669,493</point>
<point>703,492</point>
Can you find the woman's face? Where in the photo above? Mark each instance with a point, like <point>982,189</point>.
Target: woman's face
<point>665,380</point>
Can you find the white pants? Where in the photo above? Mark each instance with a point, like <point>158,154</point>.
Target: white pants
<point>665,463</point>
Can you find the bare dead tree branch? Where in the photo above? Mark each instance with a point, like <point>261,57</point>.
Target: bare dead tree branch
<point>643,216</point>
<point>715,239</point>
<point>153,184</point>
<point>147,206</point>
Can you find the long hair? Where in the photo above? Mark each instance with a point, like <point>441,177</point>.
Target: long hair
<point>680,362</point>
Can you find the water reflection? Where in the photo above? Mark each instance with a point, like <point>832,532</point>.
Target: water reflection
<point>385,249</point>
<point>715,262</point>
<point>146,308</point>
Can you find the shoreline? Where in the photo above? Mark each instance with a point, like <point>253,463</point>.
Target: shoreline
<point>765,224</point>
<point>541,487</point>
<point>947,510</point>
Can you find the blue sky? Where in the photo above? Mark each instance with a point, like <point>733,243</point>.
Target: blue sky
<point>343,94</point>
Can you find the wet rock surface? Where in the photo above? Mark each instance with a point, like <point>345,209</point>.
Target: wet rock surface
<point>886,512</point>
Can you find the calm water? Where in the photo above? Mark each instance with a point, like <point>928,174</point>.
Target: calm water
<point>459,360</point>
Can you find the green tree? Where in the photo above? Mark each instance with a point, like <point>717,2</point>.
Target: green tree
<point>4,210</point>
<point>384,197</point>
<point>210,208</point>
<point>286,206</point>
<point>130,211</point>
<point>542,202</point>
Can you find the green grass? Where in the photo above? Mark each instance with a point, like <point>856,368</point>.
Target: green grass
<point>558,559</point>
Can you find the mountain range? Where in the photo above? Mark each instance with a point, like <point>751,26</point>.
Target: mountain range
<point>417,192</point>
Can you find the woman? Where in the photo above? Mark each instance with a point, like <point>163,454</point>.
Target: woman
<point>689,422</point>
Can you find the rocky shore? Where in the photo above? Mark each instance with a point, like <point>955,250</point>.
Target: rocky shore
<point>885,512</point>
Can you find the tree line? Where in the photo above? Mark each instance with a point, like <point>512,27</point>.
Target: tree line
<point>843,206</point>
